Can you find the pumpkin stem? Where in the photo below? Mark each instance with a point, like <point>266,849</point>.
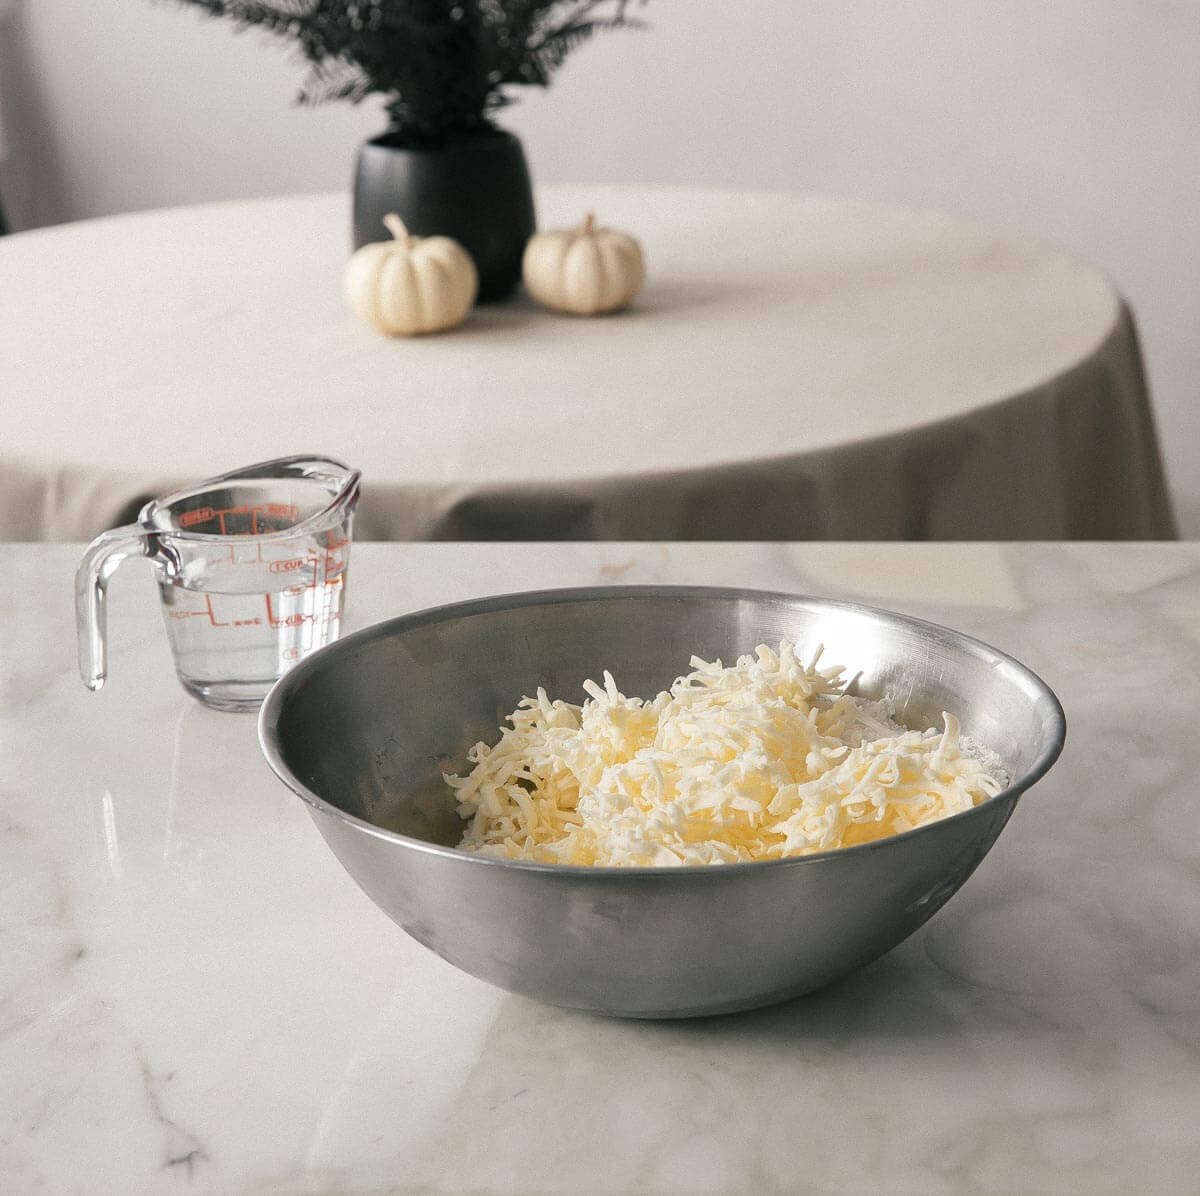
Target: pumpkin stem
<point>589,224</point>
<point>396,227</point>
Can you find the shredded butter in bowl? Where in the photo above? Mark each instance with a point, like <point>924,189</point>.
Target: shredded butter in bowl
<point>762,760</point>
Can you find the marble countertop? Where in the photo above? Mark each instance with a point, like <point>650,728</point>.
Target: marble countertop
<point>194,997</point>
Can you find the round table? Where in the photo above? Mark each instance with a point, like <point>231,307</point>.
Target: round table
<point>797,366</point>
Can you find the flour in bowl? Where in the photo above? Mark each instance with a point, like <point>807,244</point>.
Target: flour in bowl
<point>760,760</point>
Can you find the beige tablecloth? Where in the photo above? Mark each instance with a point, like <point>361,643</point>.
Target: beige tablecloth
<point>797,367</point>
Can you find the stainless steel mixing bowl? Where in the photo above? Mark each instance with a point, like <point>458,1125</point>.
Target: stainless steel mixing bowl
<point>363,730</point>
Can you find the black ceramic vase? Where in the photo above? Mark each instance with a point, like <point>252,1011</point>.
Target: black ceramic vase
<point>476,190</point>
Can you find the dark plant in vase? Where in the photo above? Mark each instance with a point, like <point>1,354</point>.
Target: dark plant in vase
<point>444,67</point>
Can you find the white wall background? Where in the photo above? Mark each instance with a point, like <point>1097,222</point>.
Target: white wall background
<point>1076,119</point>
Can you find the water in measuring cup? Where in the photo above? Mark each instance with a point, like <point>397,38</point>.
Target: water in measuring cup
<point>234,638</point>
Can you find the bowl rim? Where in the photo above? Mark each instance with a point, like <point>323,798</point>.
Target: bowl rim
<point>272,707</point>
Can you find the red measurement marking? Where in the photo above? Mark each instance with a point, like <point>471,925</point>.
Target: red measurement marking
<point>288,566</point>
<point>242,510</point>
<point>274,510</point>
<point>296,620</point>
<point>292,653</point>
<point>212,617</point>
<point>315,561</point>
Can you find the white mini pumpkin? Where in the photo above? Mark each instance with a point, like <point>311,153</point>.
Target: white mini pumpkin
<point>584,270</point>
<point>411,285</point>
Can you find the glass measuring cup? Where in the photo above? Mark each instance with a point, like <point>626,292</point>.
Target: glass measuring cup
<point>251,569</point>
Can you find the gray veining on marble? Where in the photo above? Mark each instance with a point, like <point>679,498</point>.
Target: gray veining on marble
<point>195,998</point>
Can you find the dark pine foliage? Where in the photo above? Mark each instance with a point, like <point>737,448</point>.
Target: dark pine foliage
<point>444,66</point>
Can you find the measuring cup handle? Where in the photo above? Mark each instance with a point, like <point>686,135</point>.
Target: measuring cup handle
<point>104,556</point>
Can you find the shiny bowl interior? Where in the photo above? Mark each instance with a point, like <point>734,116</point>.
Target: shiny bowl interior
<point>363,730</point>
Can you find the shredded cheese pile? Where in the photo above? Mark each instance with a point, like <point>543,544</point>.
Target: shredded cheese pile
<point>765,759</point>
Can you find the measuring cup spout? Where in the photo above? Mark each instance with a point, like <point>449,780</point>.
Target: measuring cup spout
<point>104,556</point>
